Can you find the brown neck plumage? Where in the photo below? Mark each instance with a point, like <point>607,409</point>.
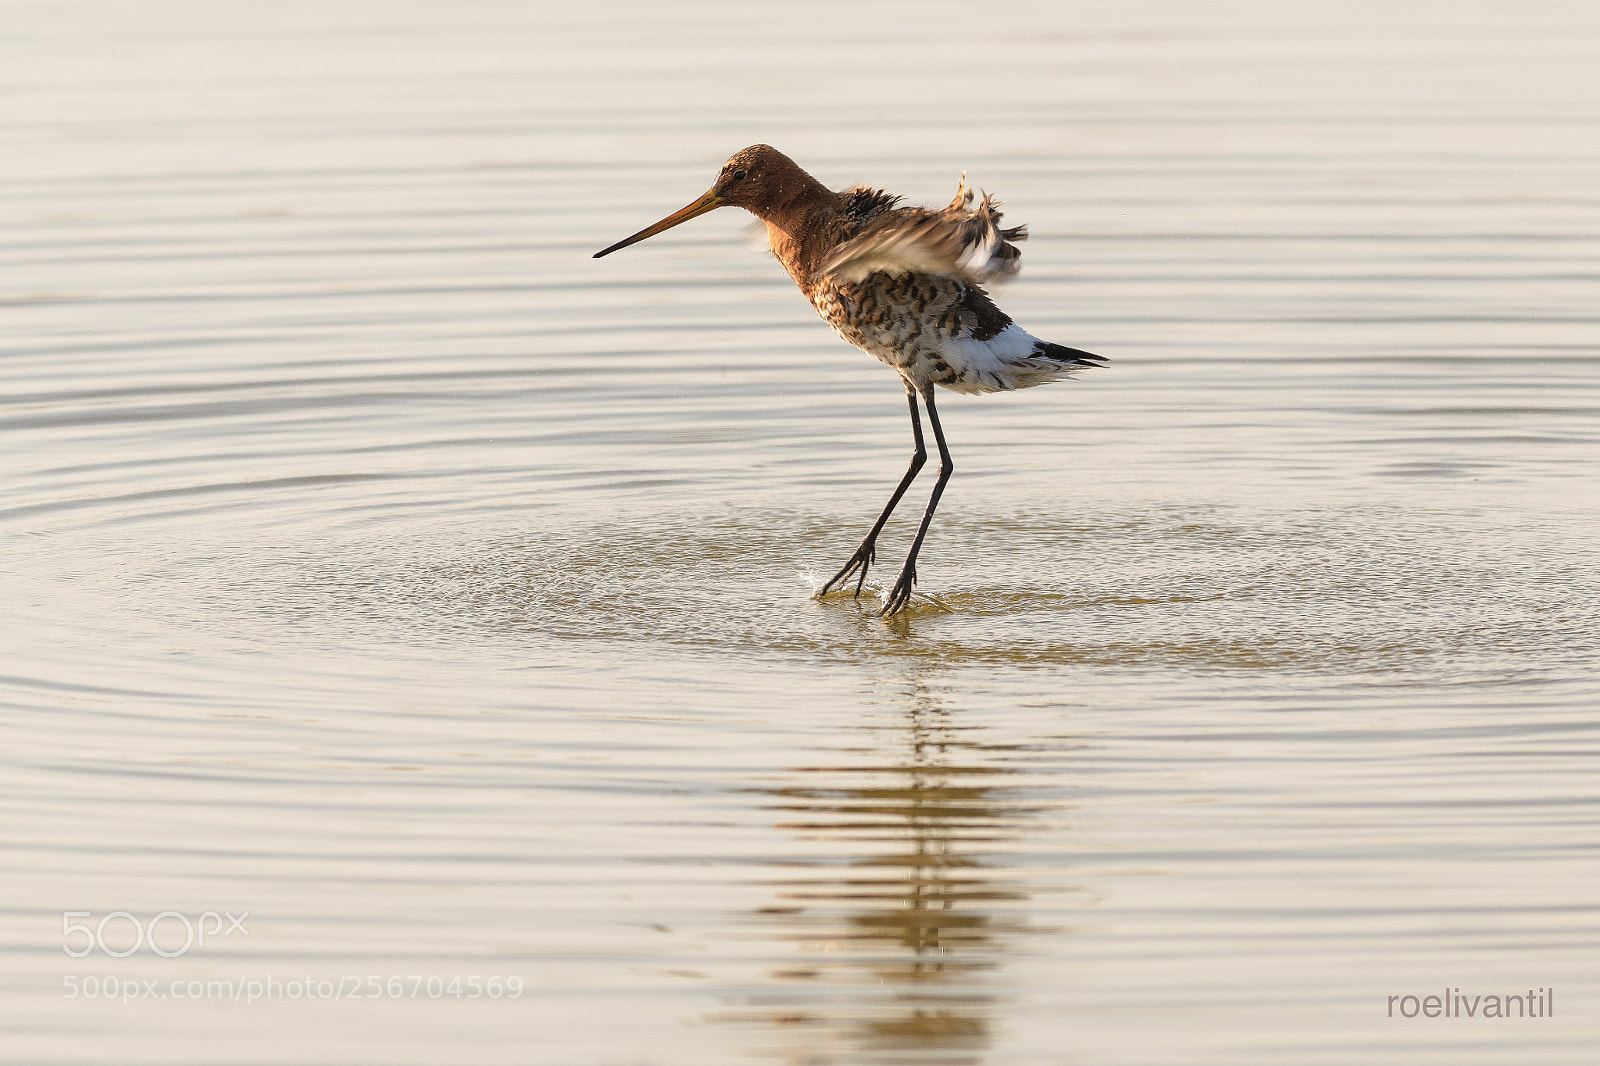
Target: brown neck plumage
<point>799,225</point>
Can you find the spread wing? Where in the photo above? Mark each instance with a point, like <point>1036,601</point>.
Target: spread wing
<point>959,241</point>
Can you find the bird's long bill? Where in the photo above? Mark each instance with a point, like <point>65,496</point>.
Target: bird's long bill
<point>709,202</point>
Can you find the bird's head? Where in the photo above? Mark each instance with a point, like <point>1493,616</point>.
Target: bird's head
<point>757,179</point>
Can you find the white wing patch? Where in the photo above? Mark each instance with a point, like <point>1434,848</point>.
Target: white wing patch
<point>957,241</point>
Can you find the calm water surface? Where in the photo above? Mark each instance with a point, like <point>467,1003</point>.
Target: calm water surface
<point>379,565</point>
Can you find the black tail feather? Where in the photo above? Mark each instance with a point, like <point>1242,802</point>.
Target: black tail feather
<point>1071,356</point>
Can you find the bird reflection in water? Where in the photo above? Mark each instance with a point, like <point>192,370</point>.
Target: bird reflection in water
<point>891,939</point>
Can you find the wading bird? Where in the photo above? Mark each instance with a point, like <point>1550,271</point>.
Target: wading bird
<point>903,284</point>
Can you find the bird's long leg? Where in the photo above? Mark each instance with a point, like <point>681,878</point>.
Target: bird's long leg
<point>901,592</point>
<point>865,554</point>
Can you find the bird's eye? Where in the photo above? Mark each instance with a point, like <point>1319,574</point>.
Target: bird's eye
<point>738,175</point>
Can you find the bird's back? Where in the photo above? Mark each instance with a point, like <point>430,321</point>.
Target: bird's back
<point>901,283</point>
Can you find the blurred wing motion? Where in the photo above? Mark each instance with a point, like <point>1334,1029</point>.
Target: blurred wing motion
<point>957,241</point>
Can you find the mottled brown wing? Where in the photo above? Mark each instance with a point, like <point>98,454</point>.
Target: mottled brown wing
<point>958,241</point>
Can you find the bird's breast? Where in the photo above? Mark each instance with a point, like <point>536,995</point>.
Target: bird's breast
<point>896,309</point>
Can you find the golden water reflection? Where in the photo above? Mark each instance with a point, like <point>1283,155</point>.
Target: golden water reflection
<point>895,929</point>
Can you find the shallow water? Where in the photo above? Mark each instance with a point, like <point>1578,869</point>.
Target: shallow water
<point>380,565</point>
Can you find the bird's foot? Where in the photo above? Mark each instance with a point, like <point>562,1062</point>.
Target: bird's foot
<point>900,594</point>
<point>858,564</point>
